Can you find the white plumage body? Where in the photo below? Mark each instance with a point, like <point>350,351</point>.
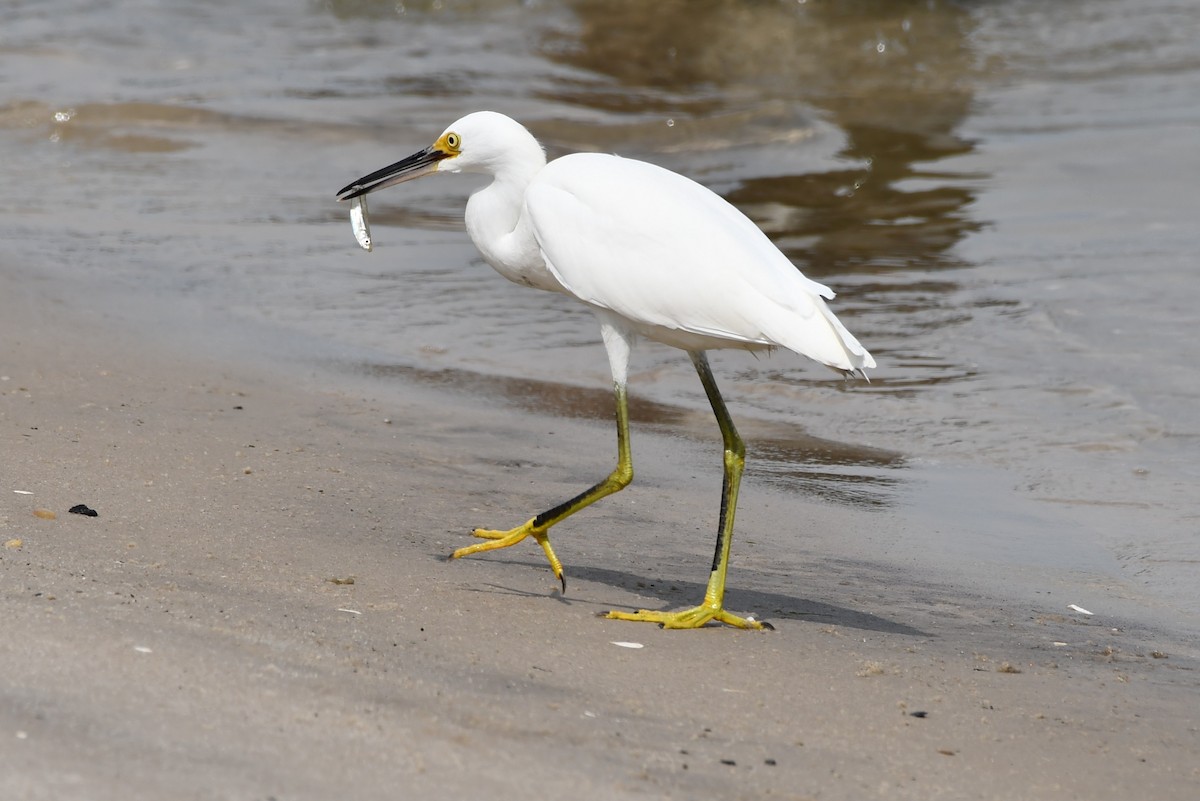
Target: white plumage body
<point>669,258</point>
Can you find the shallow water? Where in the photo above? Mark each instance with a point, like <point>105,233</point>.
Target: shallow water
<point>1002,194</point>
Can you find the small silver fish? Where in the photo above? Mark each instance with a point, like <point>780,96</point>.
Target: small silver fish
<point>358,221</point>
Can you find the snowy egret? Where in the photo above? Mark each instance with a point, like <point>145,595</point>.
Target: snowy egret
<point>654,255</point>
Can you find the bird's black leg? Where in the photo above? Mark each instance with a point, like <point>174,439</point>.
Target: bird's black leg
<point>735,460</point>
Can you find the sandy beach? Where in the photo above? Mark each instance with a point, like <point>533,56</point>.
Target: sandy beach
<point>262,609</point>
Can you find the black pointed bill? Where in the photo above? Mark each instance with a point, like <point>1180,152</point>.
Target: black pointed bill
<point>420,163</point>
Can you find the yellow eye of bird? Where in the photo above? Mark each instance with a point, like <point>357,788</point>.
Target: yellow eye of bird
<point>453,141</point>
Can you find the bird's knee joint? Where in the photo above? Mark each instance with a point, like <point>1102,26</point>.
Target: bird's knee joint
<point>620,479</point>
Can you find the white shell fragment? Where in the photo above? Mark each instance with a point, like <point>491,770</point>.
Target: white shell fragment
<point>629,644</point>
<point>1078,609</point>
<point>358,221</point>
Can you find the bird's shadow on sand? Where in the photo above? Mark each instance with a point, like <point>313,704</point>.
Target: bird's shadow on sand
<point>674,594</point>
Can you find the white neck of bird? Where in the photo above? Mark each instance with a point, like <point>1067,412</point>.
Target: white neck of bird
<point>494,213</point>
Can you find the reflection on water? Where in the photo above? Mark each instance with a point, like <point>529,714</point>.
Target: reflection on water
<point>894,78</point>
<point>888,214</point>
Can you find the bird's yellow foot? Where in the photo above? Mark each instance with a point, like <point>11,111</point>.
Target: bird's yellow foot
<point>503,539</point>
<point>690,618</point>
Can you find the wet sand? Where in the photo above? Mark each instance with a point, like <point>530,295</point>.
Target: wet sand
<point>263,609</point>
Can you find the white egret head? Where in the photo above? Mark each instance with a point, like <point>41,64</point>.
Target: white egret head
<point>488,142</point>
<point>483,142</point>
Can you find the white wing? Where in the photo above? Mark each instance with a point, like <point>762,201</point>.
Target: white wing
<point>664,251</point>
